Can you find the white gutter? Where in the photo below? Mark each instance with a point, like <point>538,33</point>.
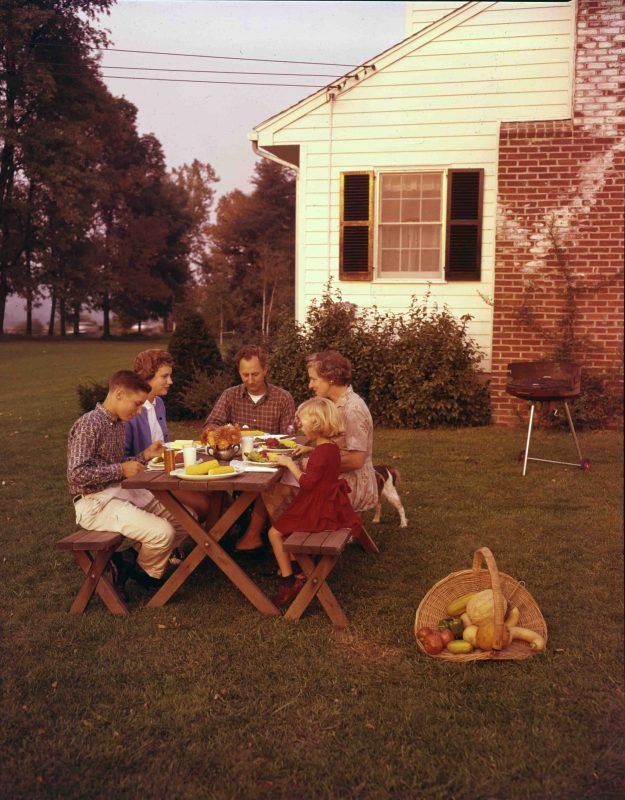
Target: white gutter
<point>270,156</point>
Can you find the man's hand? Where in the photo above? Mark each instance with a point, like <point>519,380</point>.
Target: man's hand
<point>155,449</point>
<point>130,468</point>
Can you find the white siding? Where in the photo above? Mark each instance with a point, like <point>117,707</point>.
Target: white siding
<point>419,15</point>
<point>435,102</point>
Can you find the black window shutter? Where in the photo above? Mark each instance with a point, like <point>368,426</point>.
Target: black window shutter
<point>463,256</point>
<point>356,240</point>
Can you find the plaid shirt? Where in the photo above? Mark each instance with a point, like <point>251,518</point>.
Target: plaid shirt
<point>274,413</point>
<point>95,451</point>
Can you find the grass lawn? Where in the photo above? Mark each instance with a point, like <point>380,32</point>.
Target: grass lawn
<point>206,698</point>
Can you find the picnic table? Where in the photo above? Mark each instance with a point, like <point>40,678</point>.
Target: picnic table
<point>249,485</point>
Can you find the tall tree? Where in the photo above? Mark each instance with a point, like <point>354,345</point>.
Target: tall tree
<point>252,255</point>
<point>44,57</point>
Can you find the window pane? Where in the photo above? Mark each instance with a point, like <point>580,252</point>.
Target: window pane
<point>430,236</point>
<point>411,185</point>
<point>391,185</point>
<point>389,260</point>
<point>410,237</point>
<point>429,260</point>
<point>431,210</point>
<point>410,210</point>
<point>431,184</point>
<point>389,236</point>
<point>390,210</point>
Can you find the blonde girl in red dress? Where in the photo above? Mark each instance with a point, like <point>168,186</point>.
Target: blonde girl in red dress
<point>322,503</point>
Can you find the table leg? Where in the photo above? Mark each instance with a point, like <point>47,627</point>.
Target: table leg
<point>208,546</point>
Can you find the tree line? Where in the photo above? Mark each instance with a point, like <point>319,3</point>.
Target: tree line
<point>89,213</point>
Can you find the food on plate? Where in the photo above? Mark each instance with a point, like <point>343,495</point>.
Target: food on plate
<point>459,647</point>
<point>221,470</point>
<point>202,468</point>
<point>157,461</point>
<point>260,457</point>
<point>247,432</point>
<point>280,444</point>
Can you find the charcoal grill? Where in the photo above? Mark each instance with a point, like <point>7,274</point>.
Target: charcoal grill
<point>546,382</point>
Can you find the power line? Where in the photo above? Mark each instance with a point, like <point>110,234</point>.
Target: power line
<point>223,71</point>
<point>189,80</point>
<point>200,55</point>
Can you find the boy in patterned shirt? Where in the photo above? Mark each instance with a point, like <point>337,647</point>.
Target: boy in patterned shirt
<point>96,465</point>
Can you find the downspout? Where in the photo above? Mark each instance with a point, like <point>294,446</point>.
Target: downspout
<point>270,156</point>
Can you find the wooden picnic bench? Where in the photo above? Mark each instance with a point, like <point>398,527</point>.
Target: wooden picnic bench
<point>317,554</point>
<point>92,551</point>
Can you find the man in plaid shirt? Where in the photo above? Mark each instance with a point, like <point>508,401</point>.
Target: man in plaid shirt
<point>254,402</point>
<point>260,406</point>
<point>96,465</point>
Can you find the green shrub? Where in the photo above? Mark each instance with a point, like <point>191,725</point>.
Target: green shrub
<point>203,391</point>
<point>91,392</point>
<point>599,404</point>
<point>415,370</point>
<point>196,354</point>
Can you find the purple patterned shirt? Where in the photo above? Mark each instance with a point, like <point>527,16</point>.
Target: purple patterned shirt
<point>95,451</point>
<point>274,413</point>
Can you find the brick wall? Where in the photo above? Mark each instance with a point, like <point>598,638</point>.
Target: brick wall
<point>563,181</point>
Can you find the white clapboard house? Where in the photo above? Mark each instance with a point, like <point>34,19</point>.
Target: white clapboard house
<point>397,162</point>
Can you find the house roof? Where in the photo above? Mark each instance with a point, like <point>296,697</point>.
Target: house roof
<point>364,72</point>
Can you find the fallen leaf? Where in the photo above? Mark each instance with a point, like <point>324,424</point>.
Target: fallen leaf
<point>54,684</point>
<point>162,626</point>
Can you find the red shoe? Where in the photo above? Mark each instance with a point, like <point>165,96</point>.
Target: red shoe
<point>287,593</point>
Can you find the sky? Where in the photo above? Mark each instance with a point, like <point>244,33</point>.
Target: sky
<point>210,122</point>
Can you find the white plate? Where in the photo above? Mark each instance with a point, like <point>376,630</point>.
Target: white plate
<point>286,451</point>
<point>180,473</point>
<point>253,466</point>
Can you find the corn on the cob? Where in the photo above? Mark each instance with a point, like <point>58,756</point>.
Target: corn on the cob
<point>202,468</point>
<point>222,471</point>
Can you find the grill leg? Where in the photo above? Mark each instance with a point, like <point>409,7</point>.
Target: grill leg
<point>527,443</point>
<point>572,427</point>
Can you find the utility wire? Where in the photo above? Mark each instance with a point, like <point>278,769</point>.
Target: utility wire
<point>198,55</point>
<point>222,71</point>
<point>190,80</point>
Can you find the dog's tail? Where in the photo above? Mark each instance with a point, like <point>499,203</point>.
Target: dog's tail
<point>395,475</point>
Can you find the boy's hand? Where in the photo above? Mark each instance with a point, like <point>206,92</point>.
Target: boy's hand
<point>130,468</point>
<point>155,449</point>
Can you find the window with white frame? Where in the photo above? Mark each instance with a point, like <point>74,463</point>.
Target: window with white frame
<point>410,224</point>
<point>418,231</point>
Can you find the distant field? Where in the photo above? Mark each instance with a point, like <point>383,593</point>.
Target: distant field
<point>205,698</point>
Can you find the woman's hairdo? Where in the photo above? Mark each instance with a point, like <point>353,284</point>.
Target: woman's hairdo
<point>331,366</point>
<point>323,415</point>
<point>129,381</point>
<point>251,351</point>
<point>148,363</point>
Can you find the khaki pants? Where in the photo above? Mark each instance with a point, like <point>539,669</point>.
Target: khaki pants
<point>153,526</point>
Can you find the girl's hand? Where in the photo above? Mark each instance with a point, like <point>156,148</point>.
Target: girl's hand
<point>301,450</point>
<point>284,461</point>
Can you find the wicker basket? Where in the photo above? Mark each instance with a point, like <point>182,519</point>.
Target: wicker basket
<point>433,607</point>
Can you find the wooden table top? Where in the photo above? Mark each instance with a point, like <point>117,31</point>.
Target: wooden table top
<point>156,480</point>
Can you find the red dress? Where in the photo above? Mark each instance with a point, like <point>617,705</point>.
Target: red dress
<point>322,503</point>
